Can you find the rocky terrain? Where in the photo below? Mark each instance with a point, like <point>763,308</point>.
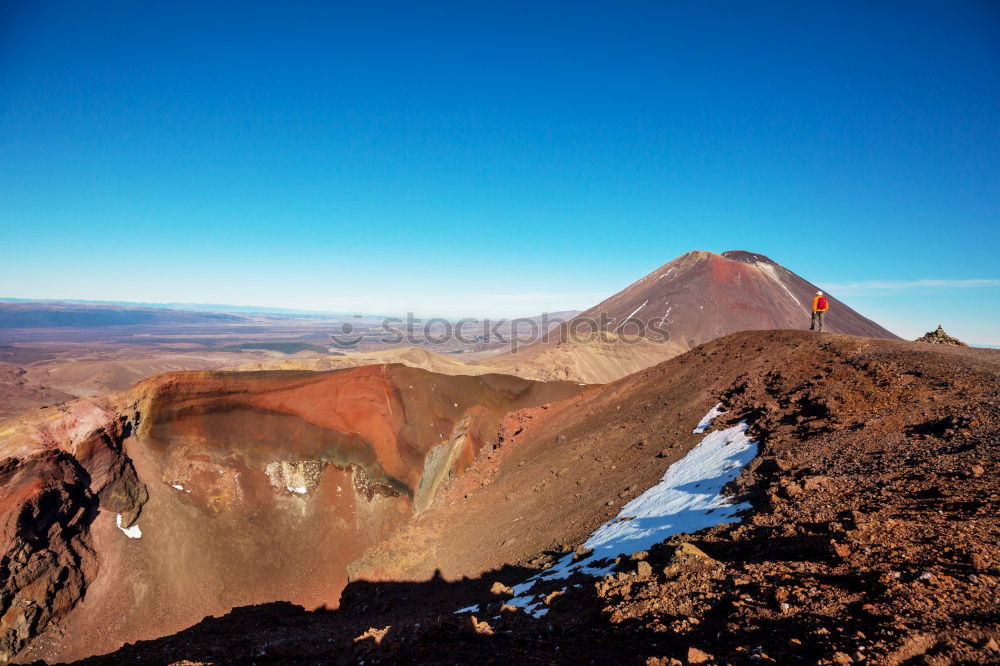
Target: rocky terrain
<point>136,514</point>
<point>869,533</point>
<point>697,297</point>
<point>701,296</point>
<point>719,497</point>
<point>939,337</point>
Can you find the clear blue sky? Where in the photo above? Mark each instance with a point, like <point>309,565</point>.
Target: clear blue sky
<point>486,158</point>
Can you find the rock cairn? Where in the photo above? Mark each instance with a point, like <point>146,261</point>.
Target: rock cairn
<point>939,337</point>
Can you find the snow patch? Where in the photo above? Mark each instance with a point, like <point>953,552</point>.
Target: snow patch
<point>707,419</point>
<point>687,499</point>
<point>131,532</point>
<point>631,315</point>
<point>667,313</point>
<point>474,608</point>
<point>768,270</point>
<point>298,490</point>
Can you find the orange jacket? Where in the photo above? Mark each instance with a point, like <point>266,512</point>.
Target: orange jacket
<point>820,304</point>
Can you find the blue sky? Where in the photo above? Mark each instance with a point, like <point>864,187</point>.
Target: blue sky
<point>499,159</point>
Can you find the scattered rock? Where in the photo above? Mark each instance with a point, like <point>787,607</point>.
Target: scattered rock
<point>814,483</point>
<point>978,563</point>
<point>373,634</point>
<point>913,646</point>
<point>663,661</point>
<point>790,489</point>
<point>696,656</point>
<point>501,589</point>
<point>689,550</point>
<point>482,628</point>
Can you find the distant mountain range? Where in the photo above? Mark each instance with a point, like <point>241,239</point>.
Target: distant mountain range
<point>188,307</point>
<point>28,314</point>
<point>32,313</point>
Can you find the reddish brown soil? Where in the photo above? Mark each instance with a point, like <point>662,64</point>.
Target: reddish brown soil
<point>45,510</point>
<point>702,296</point>
<point>873,536</point>
<point>697,297</point>
<point>20,393</point>
<point>247,487</point>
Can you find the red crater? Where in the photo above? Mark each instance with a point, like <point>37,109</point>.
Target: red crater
<point>195,492</point>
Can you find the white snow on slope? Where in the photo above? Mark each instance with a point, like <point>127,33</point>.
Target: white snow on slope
<point>707,419</point>
<point>631,315</point>
<point>773,274</point>
<point>667,313</point>
<point>131,532</point>
<point>687,499</point>
<point>298,490</point>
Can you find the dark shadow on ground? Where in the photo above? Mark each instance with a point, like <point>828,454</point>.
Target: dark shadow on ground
<point>422,627</point>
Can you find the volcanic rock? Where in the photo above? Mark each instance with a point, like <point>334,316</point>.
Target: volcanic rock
<point>939,337</point>
<point>211,490</point>
<point>46,556</point>
<point>701,296</point>
<point>851,417</point>
<point>696,656</point>
<point>697,297</point>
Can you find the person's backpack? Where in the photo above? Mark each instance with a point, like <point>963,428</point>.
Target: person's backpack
<point>821,303</point>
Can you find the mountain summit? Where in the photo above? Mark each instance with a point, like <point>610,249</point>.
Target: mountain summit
<point>701,296</point>
<point>694,299</point>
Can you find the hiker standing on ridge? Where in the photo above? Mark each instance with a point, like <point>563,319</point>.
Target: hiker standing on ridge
<point>820,306</point>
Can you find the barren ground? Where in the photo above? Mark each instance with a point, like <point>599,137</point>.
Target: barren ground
<point>873,536</point>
